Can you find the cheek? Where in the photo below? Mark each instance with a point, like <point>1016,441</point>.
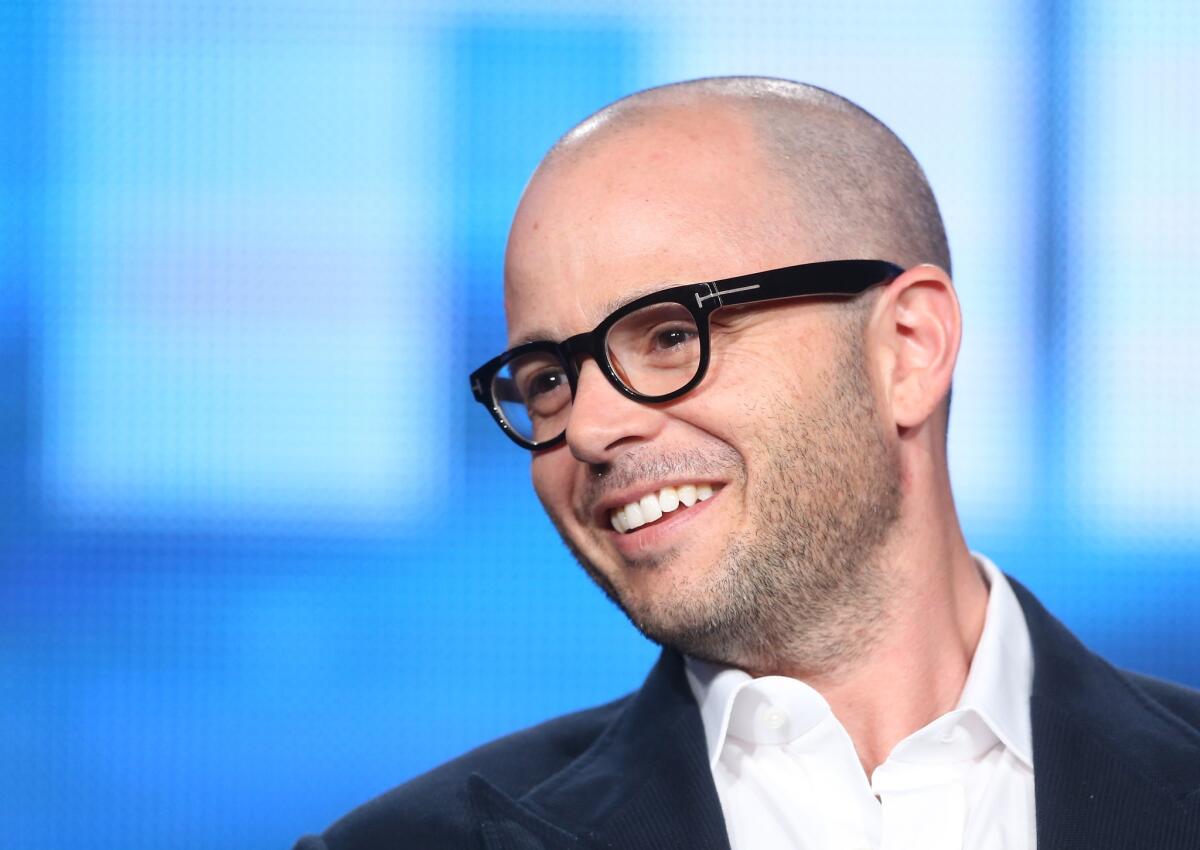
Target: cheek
<point>741,389</point>
<point>763,357</point>
<point>552,473</point>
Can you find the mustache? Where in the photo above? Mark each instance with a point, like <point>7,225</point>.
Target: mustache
<point>646,464</point>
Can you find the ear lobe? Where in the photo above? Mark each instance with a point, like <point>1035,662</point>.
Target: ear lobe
<point>925,326</point>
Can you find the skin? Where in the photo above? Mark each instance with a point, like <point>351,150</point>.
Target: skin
<point>808,406</point>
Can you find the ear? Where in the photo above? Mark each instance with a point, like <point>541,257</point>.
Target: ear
<point>919,327</point>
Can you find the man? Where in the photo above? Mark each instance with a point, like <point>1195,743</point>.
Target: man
<point>732,331</point>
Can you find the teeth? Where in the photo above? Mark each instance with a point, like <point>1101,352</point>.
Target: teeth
<point>650,509</point>
<point>652,506</point>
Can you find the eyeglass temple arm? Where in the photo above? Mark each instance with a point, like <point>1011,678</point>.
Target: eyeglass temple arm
<point>824,279</point>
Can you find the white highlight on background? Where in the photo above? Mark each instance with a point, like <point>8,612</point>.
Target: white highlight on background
<point>1135,457</point>
<point>243,320</point>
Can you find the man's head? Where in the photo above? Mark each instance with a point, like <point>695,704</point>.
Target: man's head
<point>817,419</point>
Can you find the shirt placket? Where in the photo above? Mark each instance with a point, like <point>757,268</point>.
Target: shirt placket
<point>924,806</point>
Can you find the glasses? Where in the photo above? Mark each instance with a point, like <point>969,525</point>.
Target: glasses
<point>653,349</point>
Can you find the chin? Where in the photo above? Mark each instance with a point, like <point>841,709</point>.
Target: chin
<point>670,597</point>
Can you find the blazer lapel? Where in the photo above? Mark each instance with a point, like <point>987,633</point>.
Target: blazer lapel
<point>1112,767</point>
<point>644,785</point>
<point>505,824</point>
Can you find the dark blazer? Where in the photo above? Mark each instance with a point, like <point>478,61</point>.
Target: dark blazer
<point>1116,765</point>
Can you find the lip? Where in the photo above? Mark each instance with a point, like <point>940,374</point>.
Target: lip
<point>661,532</point>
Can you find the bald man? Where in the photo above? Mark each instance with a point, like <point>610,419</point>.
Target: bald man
<point>732,333</point>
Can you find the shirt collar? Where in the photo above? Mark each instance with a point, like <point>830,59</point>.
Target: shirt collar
<point>714,688</point>
<point>997,687</point>
<point>1001,675</point>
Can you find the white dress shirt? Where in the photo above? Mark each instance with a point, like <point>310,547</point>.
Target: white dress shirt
<point>788,776</point>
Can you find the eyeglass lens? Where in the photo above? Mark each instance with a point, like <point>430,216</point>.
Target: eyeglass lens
<point>654,351</point>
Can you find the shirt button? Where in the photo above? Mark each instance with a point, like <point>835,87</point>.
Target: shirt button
<point>775,718</point>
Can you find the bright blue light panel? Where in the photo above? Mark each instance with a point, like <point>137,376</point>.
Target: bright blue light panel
<point>243,317</point>
<point>1135,211</point>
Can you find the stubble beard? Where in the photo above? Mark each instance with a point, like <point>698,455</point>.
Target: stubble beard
<point>805,592</point>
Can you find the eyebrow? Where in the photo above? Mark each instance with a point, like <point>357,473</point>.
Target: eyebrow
<point>610,307</point>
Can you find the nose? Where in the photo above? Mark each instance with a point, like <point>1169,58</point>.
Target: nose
<point>603,422</point>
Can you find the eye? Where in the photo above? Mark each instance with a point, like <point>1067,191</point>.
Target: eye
<point>673,337</point>
<point>544,382</point>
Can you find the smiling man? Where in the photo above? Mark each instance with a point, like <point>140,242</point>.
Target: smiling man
<point>733,331</point>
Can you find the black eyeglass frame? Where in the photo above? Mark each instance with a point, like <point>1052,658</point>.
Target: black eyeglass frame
<point>809,280</point>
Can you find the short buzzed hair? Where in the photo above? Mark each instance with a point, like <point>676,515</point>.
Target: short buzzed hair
<point>857,190</point>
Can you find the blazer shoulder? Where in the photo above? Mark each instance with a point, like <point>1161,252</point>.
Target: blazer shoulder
<point>1180,702</point>
<point>434,810</point>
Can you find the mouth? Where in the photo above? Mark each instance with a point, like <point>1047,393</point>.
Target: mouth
<point>652,507</point>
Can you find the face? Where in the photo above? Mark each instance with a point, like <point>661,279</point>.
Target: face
<point>790,472</point>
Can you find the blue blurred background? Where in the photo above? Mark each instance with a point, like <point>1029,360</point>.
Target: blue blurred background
<point>262,555</point>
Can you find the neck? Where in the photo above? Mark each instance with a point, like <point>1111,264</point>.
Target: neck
<point>916,667</point>
<point>917,671</point>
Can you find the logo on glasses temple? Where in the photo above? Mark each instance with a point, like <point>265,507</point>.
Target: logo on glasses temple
<point>717,293</point>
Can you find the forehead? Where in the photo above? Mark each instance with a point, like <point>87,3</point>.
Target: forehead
<point>682,198</point>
